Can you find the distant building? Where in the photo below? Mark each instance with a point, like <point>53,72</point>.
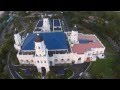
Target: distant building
<point>50,45</point>
<point>1,13</point>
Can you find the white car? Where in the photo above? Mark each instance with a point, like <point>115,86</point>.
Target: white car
<point>80,73</point>
<point>43,77</point>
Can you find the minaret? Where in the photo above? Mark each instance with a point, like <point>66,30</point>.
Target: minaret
<point>46,25</point>
<point>74,35</point>
<point>40,48</point>
<point>17,39</point>
<point>41,54</point>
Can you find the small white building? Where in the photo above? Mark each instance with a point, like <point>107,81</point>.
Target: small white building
<point>47,46</point>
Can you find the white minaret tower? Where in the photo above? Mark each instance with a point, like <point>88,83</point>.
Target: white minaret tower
<point>74,36</point>
<point>41,54</point>
<point>18,40</point>
<point>40,47</point>
<point>46,25</point>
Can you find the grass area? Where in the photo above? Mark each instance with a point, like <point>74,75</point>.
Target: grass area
<point>13,57</point>
<point>51,75</point>
<point>22,74</point>
<point>104,68</point>
<point>17,24</point>
<point>68,72</point>
<point>35,75</point>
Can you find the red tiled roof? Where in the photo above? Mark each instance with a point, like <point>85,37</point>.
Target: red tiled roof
<point>83,47</point>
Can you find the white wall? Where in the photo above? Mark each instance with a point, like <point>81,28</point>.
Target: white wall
<point>42,62</point>
<point>17,47</point>
<point>72,57</point>
<point>17,39</point>
<point>23,59</point>
<point>37,61</point>
<point>46,25</point>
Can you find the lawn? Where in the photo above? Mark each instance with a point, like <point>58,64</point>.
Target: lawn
<point>67,74</point>
<point>104,68</point>
<point>23,75</point>
<point>51,74</point>
<point>34,75</point>
<point>13,57</point>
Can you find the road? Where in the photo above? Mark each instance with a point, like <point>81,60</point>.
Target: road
<point>3,33</point>
<point>12,73</point>
<point>23,24</point>
<point>11,68</point>
<point>65,26</point>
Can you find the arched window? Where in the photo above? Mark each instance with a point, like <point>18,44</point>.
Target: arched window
<point>37,61</point>
<point>31,60</point>
<point>44,61</point>
<point>27,61</point>
<point>50,63</point>
<point>68,59</point>
<point>21,60</point>
<point>41,62</point>
<point>79,59</point>
<point>56,60</point>
<point>62,59</point>
<point>73,62</point>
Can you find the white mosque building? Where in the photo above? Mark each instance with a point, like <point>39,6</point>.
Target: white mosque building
<point>50,45</point>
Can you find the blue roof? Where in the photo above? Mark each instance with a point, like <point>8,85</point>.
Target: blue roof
<point>57,28</point>
<point>56,22</point>
<point>40,23</point>
<point>37,29</point>
<point>55,40</point>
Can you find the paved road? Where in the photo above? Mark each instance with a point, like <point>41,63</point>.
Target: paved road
<point>3,33</point>
<point>64,24</point>
<point>23,24</point>
<point>13,73</point>
<point>78,69</point>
